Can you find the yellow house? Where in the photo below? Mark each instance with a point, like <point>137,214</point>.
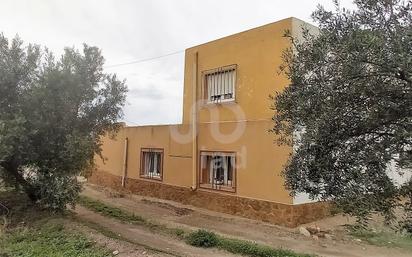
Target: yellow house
<point>221,157</point>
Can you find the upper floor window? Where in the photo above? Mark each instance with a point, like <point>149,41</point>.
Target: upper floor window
<point>151,163</point>
<point>220,84</point>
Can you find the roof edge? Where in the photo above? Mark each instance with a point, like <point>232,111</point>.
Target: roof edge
<point>291,18</point>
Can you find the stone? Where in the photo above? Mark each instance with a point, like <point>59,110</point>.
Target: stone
<point>115,252</point>
<point>315,237</point>
<point>328,236</point>
<point>275,213</point>
<point>304,231</point>
<point>312,230</point>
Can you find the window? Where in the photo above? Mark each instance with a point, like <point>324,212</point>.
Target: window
<point>151,163</point>
<point>220,84</point>
<point>217,171</point>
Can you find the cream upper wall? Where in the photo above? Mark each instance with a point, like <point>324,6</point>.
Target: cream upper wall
<point>112,154</point>
<point>259,162</point>
<point>257,54</point>
<point>177,169</point>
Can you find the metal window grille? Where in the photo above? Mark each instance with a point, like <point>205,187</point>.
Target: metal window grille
<point>217,171</point>
<point>220,84</point>
<point>151,163</point>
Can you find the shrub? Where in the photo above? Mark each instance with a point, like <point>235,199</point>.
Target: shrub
<point>253,249</point>
<point>56,191</point>
<point>202,238</point>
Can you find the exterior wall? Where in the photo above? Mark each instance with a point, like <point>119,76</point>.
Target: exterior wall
<point>257,54</point>
<point>258,162</point>
<point>240,126</point>
<point>276,213</point>
<point>177,159</point>
<point>111,160</point>
<point>399,176</point>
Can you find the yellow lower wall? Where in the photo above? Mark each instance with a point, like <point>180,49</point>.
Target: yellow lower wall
<point>259,161</point>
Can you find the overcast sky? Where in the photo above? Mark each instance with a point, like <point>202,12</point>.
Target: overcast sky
<point>141,29</point>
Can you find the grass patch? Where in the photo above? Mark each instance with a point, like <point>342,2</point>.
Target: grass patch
<point>256,250</point>
<point>110,234</point>
<point>127,217</point>
<point>50,240</point>
<point>110,211</point>
<point>21,210</point>
<point>203,238</point>
<point>383,238</point>
<point>33,231</point>
<point>200,238</point>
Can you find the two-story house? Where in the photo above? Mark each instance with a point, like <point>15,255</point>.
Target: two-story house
<point>222,156</point>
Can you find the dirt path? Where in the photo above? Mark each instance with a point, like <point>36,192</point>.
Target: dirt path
<point>124,249</point>
<point>176,215</point>
<point>141,236</point>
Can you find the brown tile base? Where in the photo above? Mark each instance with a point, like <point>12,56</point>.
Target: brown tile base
<point>276,213</point>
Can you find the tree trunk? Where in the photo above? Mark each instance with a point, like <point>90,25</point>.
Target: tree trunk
<point>12,168</point>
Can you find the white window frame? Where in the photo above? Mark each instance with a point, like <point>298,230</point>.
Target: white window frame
<point>207,87</point>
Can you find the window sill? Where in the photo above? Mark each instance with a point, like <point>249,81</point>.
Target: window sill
<point>218,188</point>
<point>159,179</point>
<point>211,104</point>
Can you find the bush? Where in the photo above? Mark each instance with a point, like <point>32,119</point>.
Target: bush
<point>253,249</point>
<point>56,191</point>
<point>202,238</point>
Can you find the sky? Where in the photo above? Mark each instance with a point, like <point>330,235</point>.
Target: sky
<point>134,30</point>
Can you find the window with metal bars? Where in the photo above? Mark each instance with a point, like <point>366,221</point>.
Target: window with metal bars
<point>151,163</point>
<point>217,171</point>
<point>220,84</point>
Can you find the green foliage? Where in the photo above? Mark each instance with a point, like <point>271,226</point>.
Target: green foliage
<point>349,106</point>
<point>383,238</point>
<point>199,238</point>
<point>50,240</point>
<point>56,191</point>
<point>53,112</point>
<point>35,231</point>
<point>110,211</point>
<point>406,193</point>
<point>253,249</point>
<point>125,216</point>
<point>202,238</point>
<point>206,239</point>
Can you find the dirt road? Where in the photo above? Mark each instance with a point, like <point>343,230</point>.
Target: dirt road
<point>176,215</point>
<point>165,245</point>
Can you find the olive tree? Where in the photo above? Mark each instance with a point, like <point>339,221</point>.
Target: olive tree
<point>350,101</point>
<point>53,112</point>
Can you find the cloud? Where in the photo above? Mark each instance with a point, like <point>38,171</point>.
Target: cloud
<point>128,30</point>
<point>150,93</point>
